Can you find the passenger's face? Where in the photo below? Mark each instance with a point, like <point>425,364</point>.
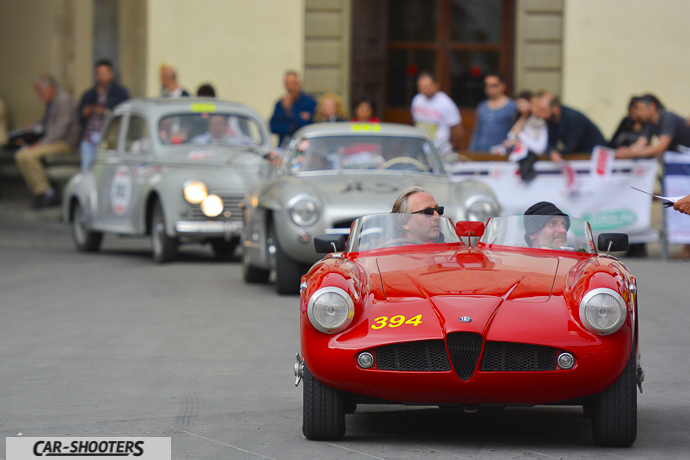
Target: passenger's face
<point>420,226</point>
<point>217,126</point>
<point>552,236</point>
<point>427,86</point>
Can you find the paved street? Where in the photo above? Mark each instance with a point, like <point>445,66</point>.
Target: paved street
<point>111,344</point>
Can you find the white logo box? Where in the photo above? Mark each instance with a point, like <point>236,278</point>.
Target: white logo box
<point>100,448</point>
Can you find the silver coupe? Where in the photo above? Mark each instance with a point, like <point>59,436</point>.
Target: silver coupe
<point>333,173</point>
<point>174,169</point>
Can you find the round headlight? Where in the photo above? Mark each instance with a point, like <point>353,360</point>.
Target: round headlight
<point>195,191</point>
<point>330,310</point>
<point>602,311</point>
<point>303,210</point>
<point>212,206</point>
<point>479,209</point>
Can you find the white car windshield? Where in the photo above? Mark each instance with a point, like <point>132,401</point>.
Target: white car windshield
<point>209,129</point>
<point>559,233</point>
<point>338,153</point>
<point>391,230</point>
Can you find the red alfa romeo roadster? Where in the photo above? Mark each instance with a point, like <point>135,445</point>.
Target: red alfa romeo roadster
<point>388,318</point>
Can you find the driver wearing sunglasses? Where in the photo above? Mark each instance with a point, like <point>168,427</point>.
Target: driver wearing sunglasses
<point>425,214</point>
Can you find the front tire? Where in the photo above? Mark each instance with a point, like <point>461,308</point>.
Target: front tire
<point>84,239</point>
<point>164,247</point>
<point>288,272</point>
<point>614,415</point>
<point>323,410</point>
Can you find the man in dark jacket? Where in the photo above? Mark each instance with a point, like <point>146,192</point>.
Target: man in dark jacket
<point>95,106</point>
<point>570,131</point>
<point>294,110</point>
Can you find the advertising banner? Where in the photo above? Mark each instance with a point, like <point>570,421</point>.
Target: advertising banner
<point>596,190</point>
<point>676,184</point>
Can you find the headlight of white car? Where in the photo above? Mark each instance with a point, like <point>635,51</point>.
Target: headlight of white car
<point>303,209</point>
<point>479,208</point>
<point>212,205</point>
<point>330,310</point>
<point>602,311</point>
<point>195,191</point>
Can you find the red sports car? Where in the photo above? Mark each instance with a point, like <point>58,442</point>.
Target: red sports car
<point>510,320</point>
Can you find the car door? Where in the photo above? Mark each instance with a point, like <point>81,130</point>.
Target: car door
<point>108,159</point>
<point>136,160</point>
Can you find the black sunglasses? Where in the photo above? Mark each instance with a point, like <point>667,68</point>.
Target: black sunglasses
<point>430,211</point>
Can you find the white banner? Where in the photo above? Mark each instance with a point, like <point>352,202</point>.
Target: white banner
<point>677,183</point>
<point>88,448</point>
<point>605,200</point>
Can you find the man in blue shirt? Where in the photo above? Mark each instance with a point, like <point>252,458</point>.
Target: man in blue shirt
<point>494,117</point>
<point>294,110</point>
<point>570,131</point>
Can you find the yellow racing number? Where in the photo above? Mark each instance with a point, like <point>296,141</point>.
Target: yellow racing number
<point>396,321</point>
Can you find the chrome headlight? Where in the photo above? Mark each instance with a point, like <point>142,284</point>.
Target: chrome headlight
<point>212,205</point>
<point>602,311</point>
<point>479,208</point>
<point>330,310</point>
<point>194,191</point>
<point>303,209</point>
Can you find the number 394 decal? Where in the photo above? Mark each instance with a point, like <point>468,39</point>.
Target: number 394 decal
<point>396,321</point>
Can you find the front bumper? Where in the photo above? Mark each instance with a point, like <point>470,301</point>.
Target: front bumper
<point>209,228</point>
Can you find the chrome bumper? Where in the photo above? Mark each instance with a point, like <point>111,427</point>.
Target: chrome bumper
<point>208,228</point>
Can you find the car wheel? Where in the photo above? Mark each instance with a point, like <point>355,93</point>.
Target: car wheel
<point>252,274</point>
<point>84,239</point>
<point>224,250</point>
<point>323,410</point>
<point>164,247</point>
<point>288,272</point>
<point>614,417</point>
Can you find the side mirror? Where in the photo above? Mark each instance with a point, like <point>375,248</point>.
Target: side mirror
<point>613,242</point>
<point>327,244</point>
<point>466,228</point>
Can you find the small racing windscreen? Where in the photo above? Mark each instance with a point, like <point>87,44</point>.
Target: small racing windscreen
<point>209,129</point>
<point>364,153</point>
<point>558,233</point>
<point>392,230</point>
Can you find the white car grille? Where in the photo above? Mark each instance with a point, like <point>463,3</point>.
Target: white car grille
<point>231,203</point>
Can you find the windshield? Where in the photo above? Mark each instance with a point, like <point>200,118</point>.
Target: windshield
<point>364,153</point>
<point>560,233</point>
<point>391,230</point>
<point>209,129</point>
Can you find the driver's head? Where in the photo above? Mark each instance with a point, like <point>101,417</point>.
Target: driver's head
<point>217,126</point>
<point>419,226</point>
<point>546,226</point>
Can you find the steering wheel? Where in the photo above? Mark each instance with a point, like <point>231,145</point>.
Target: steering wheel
<point>402,160</point>
<point>399,242</point>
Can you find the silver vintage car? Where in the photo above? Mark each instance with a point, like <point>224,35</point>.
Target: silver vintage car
<point>333,173</point>
<point>174,169</point>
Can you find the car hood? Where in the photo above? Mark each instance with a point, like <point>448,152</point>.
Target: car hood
<point>235,156</point>
<point>371,193</point>
<point>471,272</point>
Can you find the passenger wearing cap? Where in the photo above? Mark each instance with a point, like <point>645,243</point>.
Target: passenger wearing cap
<point>546,226</point>
<point>424,223</point>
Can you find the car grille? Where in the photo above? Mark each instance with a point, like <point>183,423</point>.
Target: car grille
<point>464,348</point>
<point>516,357</point>
<point>425,355</point>
<point>231,202</point>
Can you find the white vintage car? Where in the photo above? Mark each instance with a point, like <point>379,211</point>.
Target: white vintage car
<point>174,169</point>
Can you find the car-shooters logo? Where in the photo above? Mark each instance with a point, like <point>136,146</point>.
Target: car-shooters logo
<point>84,448</point>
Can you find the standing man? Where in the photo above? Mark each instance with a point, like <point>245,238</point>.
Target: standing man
<point>437,115</point>
<point>570,131</point>
<point>294,110</point>
<point>169,85</point>
<point>95,106</point>
<point>61,134</point>
<point>494,117</point>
